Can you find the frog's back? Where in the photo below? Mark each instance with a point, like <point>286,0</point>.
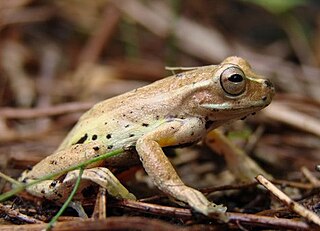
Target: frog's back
<point>121,120</point>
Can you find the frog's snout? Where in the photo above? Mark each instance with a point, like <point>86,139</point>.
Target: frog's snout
<point>270,91</point>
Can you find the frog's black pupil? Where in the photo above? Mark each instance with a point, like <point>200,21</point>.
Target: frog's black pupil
<point>236,78</point>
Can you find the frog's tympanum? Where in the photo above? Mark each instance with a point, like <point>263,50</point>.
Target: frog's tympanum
<point>176,110</point>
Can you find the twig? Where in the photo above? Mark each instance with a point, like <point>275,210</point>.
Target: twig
<point>17,215</point>
<point>251,219</point>
<point>228,187</point>
<point>101,35</point>
<point>293,184</point>
<point>99,211</point>
<point>284,114</point>
<point>296,207</point>
<point>113,223</point>
<point>19,113</point>
<point>314,181</point>
<point>25,15</point>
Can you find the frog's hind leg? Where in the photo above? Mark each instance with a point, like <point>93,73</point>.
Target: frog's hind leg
<point>103,177</point>
<point>57,190</point>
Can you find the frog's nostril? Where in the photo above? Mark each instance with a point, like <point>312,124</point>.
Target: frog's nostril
<point>268,83</point>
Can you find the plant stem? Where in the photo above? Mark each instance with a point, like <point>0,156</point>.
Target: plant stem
<point>66,203</point>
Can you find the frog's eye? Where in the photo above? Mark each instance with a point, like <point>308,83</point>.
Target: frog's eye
<point>233,81</point>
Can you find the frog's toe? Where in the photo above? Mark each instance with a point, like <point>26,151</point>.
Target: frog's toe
<point>213,208</point>
<point>218,211</point>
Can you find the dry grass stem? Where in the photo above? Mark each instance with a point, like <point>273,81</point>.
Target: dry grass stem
<point>306,172</point>
<point>284,114</point>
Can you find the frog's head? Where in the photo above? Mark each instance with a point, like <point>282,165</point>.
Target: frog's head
<point>235,91</point>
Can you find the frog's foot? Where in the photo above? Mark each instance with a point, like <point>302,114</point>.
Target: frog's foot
<point>200,203</point>
<point>76,205</point>
<point>105,178</point>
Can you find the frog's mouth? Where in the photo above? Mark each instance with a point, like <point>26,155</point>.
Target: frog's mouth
<point>241,108</point>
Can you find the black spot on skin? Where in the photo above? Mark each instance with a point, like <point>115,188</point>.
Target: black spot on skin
<point>127,126</point>
<point>94,137</point>
<point>172,127</point>
<point>124,115</point>
<point>54,162</point>
<point>145,124</point>
<point>53,184</point>
<point>208,124</point>
<point>180,75</point>
<point>96,148</point>
<point>29,168</point>
<point>82,139</point>
<point>131,112</point>
<point>108,136</point>
<point>131,135</point>
<point>157,117</point>
<point>88,191</point>
<point>105,123</point>
<point>110,146</point>
<point>42,191</point>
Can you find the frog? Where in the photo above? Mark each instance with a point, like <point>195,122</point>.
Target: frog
<point>177,110</point>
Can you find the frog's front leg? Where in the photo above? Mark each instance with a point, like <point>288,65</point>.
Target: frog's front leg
<point>238,162</point>
<point>59,191</point>
<point>160,169</point>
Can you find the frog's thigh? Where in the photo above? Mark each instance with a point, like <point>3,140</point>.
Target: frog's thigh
<point>239,163</point>
<point>103,177</point>
<point>162,172</point>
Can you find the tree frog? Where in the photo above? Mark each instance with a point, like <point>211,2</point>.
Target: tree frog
<point>176,110</point>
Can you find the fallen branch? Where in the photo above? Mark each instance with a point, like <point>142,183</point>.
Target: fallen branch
<point>251,219</point>
<point>294,206</point>
<point>13,213</point>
